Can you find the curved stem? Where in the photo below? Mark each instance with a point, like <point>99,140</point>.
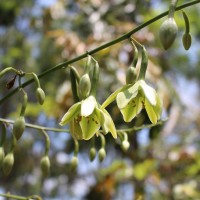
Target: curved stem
<point>104,46</point>
<point>47,142</point>
<point>35,77</point>
<point>103,141</point>
<point>187,23</point>
<point>24,103</point>
<point>76,147</point>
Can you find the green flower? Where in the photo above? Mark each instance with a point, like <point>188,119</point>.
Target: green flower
<point>85,118</point>
<point>133,99</point>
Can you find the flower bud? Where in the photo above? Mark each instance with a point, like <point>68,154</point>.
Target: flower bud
<point>40,95</point>
<point>92,153</point>
<point>18,127</point>
<point>102,154</point>
<point>168,32</point>
<point>84,86</point>
<point>131,75</point>
<point>74,162</point>
<point>8,163</point>
<point>125,145</point>
<point>45,165</point>
<point>187,40</point>
<point>2,155</point>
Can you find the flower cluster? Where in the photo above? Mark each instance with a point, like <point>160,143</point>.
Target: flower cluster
<point>138,96</point>
<point>87,117</point>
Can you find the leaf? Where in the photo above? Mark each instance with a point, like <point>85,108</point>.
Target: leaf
<point>112,97</point>
<point>71,113</point>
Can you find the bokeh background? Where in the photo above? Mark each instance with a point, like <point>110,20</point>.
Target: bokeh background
<point>163,162</point>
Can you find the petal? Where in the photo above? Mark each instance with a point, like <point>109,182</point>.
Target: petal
<point>112,97</point>
<point>71,113</point>
<point>133,108</point>
<point>150,111</point>
<point>124,97</point>
<point>129,112</point>
<point>149,92</point>
<point>89,125</point>
<point>75,129</point>
<point>158,107</point>
<point>87,106</point>
<point>139,104</point>
<point>108,124</point>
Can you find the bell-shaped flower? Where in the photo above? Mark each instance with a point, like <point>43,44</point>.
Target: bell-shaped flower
<point>85,118</point>
<point>134,98</point>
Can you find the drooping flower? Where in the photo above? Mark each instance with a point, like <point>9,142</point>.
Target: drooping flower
<point>133,99</point>
<point>86,117</point>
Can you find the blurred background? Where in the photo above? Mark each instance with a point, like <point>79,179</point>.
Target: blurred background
<point>162,162</point>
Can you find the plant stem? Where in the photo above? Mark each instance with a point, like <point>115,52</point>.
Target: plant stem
<point>104,46</point>
<point>42,128</point>
<point>172,8</point>
<point>47,142</point>
<point>13,196</point>
<point>37,126</point>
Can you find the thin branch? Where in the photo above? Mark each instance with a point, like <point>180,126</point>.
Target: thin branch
<point>13,196</point>
<point>36,126</point>
<point>134,128</point>
<point>104,46</point>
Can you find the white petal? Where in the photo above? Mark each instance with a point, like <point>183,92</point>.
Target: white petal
<point>149,93</point>
<point>87,106</point>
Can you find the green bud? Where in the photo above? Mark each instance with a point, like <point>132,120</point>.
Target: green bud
<point>74,162</point>
<point>40,95</point>
<point>101,154</point>
<point>125,145</point>
<point>168,32</point>
<point>2,155</point>
<point>131,75</point>
<point>84,86</point>
<point>8,163</point>
<point>92,153</point>
<point>187,40</point>
<point>18,127</point>
<point>45,165</point>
